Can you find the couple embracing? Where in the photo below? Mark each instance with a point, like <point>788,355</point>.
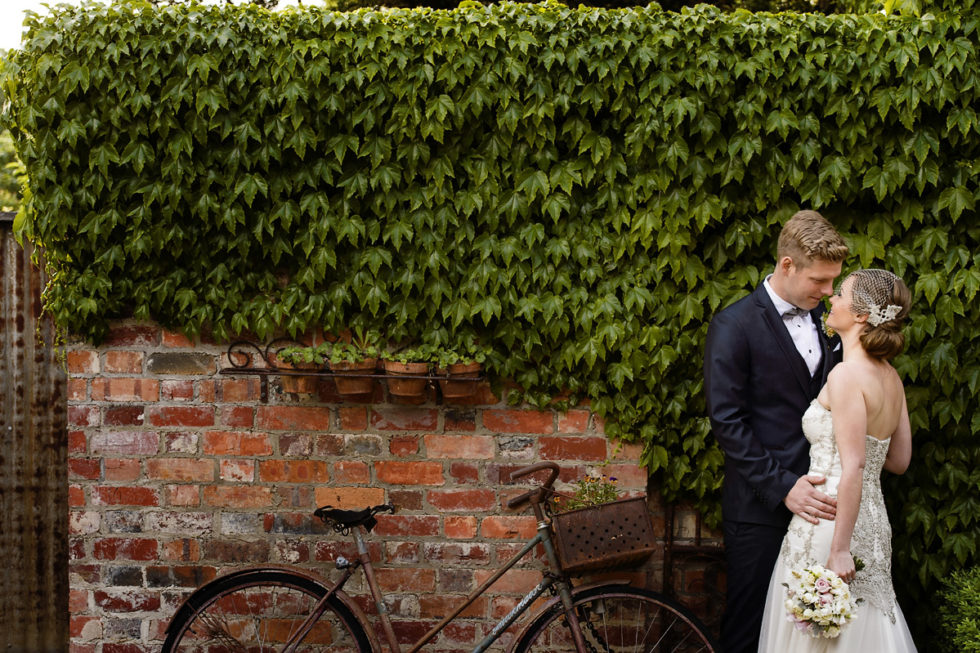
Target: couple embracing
<point>807,422</point>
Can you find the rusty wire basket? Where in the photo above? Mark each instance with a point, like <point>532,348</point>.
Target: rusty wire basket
<point>607,536</point>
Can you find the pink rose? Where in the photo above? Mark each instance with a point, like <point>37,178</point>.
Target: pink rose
<point>822,585</point>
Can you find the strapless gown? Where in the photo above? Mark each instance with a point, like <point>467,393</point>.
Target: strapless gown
<point>880,626</point>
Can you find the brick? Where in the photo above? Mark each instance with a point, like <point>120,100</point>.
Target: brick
<point>179,522</point>
<point>183,550</point>
<point>407,525</point>
<point>114,548</point>
<point>122,470</point>
<point>237,390</point>
<point>84,522</point>
<point>352,418</point>
<point>399,418</point>
<point>180,442</point>
<point>413,580</point>
<point>460,527</point>
<point>225,496</point>
<point>124,362</point>
<point>291,552</point>
<point>508,527</point>
<point>360,445</point>
<point>514,581</point>
<point>574,421</point>
<point>518,421</point>
<point>471,447</point>
<point>83,416</point>
<point>122,521</point>
<point>77,389</point>
<point>471,500</point>
<point>181,415</point>
<point>351,471</point>
<point>405,499</point>
<point>132,336</point>
<point>293,471</point>
<point>77,442</point>
<point>180,363</point>
<point>179,469</point>
<point>97,388</point>
<point>437,606</point>
<point>124,496</point>
<point>455,419</point>
<point>83,362</point>
<point>177,390</point>
<point>84,468</point>
<point>572,448</point>
<point>132,443</point>
<point>237,471</point>
<point>131,389</point>
<point>182,495</point>
<point>409,473</point>
<point>126,601</point>
<point>174,339</point>
<point>238,417</point>
<point>235,551</point>
<point>123,416</point>
<point>77,601</point>
<point>293,418</point>
<point>85,628</point>
<point>404,446</point>
<point>457,553</point>
<point>296,444</point>
<point>238,443</point>
<point>76,496</point>
<point>465,473</point>
<point>189,576</point>
<point>349,498</point>
<point>628,475</point>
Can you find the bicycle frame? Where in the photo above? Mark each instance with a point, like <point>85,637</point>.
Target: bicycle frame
<point>543,537</point>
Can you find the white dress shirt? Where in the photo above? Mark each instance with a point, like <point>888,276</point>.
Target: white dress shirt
<point>802,329</point>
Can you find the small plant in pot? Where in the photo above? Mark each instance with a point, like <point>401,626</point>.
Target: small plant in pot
<point>351,362</point>
<point>412,362</point>
<point>296,357</point>
<point>465,362</point>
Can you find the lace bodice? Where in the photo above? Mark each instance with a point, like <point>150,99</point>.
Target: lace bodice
<point>871,540</point>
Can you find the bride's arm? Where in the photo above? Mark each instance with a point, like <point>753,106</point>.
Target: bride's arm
<point>850,417</point>
<point>900,448</point>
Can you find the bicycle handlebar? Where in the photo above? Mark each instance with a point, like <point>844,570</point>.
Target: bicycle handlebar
<point>541,489</point>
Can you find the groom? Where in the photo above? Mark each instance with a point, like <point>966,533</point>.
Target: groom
<point>765,360</point>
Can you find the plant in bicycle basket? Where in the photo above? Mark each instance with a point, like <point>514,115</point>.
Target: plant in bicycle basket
<point>592,490</point>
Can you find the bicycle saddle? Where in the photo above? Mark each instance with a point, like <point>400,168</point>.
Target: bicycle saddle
<point>344,520</point>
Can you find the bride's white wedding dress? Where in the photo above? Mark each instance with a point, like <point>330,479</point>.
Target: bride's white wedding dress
<point>880,625</point>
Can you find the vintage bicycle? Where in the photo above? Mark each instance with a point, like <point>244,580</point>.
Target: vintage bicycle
<point>277,608</point>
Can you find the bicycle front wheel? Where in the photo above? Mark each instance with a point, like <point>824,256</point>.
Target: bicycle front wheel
<point>259,611</point>
<point>619,619</point>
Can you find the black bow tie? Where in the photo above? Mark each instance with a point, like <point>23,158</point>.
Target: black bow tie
<point>793,312</point>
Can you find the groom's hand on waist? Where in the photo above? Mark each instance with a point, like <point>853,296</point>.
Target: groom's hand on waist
<point>808,502</point>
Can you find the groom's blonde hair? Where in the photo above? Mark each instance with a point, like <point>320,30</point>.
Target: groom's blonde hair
<point>808,236</point>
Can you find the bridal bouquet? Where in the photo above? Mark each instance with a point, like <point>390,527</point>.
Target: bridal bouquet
<point>819,602</point>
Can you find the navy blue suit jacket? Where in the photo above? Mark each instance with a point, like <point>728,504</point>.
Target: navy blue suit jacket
<point>757,388</point>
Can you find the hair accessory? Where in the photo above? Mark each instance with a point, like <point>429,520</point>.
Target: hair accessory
<point>880,315</point>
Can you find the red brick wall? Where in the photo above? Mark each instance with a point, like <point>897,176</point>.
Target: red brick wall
<point>178,473</point>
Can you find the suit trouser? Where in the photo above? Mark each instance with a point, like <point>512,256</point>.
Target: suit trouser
<point>750,552</point>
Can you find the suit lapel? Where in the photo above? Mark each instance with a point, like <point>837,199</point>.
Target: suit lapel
<point>827,344</point>
<point>795,362</point>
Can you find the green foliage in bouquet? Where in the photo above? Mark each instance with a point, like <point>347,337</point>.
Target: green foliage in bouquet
<point>960,612</point>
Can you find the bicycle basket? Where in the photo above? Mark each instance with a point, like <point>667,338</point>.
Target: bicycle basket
<point>610,535</point>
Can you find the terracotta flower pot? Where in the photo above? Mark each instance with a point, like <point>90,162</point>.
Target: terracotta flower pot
<point>406,387</point>
<point>299,384</point>
<point>456,389</point>
<point>355,385</point>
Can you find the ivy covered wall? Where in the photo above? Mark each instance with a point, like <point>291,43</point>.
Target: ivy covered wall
<point>581,189</point>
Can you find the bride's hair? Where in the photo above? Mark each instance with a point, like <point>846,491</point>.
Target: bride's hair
<point>885,299</point>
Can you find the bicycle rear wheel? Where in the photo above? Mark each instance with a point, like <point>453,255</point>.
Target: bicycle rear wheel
<point>619,619</point>
<point>258,611</point>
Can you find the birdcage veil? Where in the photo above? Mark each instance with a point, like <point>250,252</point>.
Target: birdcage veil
<point>872,291</point>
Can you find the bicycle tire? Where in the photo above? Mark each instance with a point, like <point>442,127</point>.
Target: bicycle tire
<point>619,619</point>
<point>256,611</point>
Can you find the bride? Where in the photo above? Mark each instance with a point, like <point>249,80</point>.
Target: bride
<point>856,426</point>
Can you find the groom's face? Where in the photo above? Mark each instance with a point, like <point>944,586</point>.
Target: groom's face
<point>808,285</point>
